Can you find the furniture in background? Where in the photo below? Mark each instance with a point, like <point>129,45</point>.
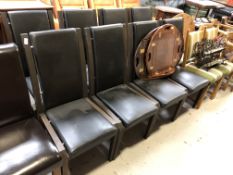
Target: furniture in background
<point>25,21</point>
<point>163,12</point>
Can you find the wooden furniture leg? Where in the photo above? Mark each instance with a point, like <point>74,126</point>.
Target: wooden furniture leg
<point>228,81</point>
<point>216,88</point>
<point>201,97</point>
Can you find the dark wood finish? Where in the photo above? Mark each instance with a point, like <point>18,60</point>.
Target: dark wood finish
<point>154,47</point>
<point>217,86</point>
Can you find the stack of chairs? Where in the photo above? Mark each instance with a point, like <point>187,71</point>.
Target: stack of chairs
<point>83,81</point>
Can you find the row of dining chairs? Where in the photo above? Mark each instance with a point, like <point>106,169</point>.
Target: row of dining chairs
<point>104,16</point>
<point>41,20</point>
<point>17,22</point>
<point>81,114</point>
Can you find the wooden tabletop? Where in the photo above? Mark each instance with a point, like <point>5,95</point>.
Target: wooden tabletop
<point>23,5</point>
<point>169,9</point>
<point>203,4</point>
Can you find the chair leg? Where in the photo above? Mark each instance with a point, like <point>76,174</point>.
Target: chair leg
<point>65,167</point>
<point>150,126</point>
<point>217,87</point>
<point>180,104</point>
<point>228,81</point>
<point>115,143</point>
<point>201,97</point>
<point>57,171</point>
<point>112,148</point>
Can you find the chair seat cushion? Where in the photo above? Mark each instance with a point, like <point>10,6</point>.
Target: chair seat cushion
<point>80,126</point>
<point>165,91</point>
<point>25,148</point>
<point>226,69</point>
<point>191,81</point>
<point>128,105</point>
<point>212,75</point>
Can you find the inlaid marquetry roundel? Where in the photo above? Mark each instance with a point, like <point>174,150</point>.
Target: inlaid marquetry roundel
<point>159,52</point>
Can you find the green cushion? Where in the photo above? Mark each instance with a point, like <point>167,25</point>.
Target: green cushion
<point>212,75</point>
<point>217,73</point>
<point>226,69</point>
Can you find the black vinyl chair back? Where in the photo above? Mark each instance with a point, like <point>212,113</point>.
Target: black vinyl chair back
<point>178,22</point>
<point>25,22</point>
<point>141,14</point>
<point>136,32</point>
<point>59,58</point>
<point>77,18</point>
<point>107,58</point>
<point>14,97</point>
<point>113,16</point>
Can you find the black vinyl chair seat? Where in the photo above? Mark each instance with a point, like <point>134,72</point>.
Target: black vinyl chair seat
<point>25,148</point>
<point>80,126</point>
<point>191,81</point>
<point>164,90</point>
<point>129,106</point>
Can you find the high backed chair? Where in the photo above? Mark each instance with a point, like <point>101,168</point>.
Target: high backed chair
<point>197,85</point>
<point>141,14</point>
<point>227,67</point>
<point>128,3</point>
<point>226,29</point>
<point>213,75</point>
<point>216,30</point>
<point>79,124</point>
<point>25,146</point>
<point>113,16</point>
<point>77,18</point>
<point>170,94</point>
<point>108,63</point>
<point>17,22</point>
<point>96,4</point>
